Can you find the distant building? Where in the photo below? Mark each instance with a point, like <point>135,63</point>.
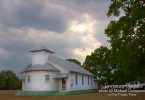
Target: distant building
<point>50,73</point>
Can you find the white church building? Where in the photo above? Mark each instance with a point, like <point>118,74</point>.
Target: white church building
<point>50,73</point>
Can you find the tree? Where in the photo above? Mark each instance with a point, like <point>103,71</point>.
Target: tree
<point>127,38</point>
<point>100,64</point>
<point>8,80</point>
<point>74,61</point>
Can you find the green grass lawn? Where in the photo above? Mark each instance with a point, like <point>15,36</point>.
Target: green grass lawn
<point>10,95</point>
<point>52,93</point>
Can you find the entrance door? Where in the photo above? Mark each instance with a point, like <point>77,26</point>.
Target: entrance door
<point>63,84</point>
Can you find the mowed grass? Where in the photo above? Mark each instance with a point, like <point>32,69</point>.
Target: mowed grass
<point>10,95</point>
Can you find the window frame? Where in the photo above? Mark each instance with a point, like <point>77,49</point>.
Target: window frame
<point>28,79</point>
<point>82,79</point>
<point>76,79</point>
<point>91,80</point>
<point>47,78</point>
<point>88,80</point>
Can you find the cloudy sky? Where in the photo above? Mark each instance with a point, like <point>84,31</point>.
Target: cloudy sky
<point>71,28</point>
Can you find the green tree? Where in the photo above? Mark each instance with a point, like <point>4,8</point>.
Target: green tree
<point>74,61</point>
<point>8,80</point>
<point>127,38</point>
<point>100,64</point>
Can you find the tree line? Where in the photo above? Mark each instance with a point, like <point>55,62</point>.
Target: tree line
<point>9,80</point>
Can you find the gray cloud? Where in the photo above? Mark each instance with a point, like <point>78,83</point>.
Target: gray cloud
<point>98,8</point>
<point>31,14</point>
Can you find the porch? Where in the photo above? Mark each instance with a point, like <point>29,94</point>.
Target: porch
<point>62,81</point>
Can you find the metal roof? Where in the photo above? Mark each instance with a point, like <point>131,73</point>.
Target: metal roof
<point>42,49</point>
<point>69,65</point>
<point>38,67</point>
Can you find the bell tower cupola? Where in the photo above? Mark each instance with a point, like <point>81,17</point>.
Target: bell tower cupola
<point>41,55</point>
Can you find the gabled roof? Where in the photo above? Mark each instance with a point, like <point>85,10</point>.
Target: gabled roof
<point>70,66</point>
<point>42,49</point>
<point>38,67</point>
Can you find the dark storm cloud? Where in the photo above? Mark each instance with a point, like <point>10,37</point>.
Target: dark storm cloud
<point>30,14</point>
<point>15,50</point>
<point>98,8</point>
